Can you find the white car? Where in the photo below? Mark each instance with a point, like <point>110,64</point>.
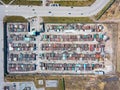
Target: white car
<point>54,4</point>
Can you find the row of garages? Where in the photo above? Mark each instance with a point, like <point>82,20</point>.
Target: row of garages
<point>69,67</point>
<point>71,56</point>
<point>62,27</point>
<point>73,47</point>
<point>73,38</point>
<point>20,37</point>
<point>17,27</point>
<point>22,46</point>
<point>21,67</point>
<point>22,57</point>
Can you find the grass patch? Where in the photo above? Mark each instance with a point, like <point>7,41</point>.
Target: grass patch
<point>75,3</point>
<point>66,19</point>
<point>6,1</point>
<point>99,15</point>
<point>24,2</point>
<point>14,19</point>
<point>62,84</point>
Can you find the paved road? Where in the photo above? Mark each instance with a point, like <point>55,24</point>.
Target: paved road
<point>1,54</point>
<point>55,11</point>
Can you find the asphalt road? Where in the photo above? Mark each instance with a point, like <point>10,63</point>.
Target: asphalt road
<point>28,11</point>
<point>1,55</point>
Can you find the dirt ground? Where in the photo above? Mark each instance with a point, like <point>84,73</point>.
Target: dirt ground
<point>113,13</point>
<point>118,50</point>
<point>112,86</point>
<point>114,29</point>
<point>90,83</point>
<point>77,82</point>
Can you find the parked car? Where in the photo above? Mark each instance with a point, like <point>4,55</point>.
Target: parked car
<point>54,4</point>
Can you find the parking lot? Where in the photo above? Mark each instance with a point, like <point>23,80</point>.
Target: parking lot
<point>60,48</point>
<point>71,48</point>
<point>21,47</point>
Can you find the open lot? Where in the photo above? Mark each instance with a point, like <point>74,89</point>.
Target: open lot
<point>91,83</point>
